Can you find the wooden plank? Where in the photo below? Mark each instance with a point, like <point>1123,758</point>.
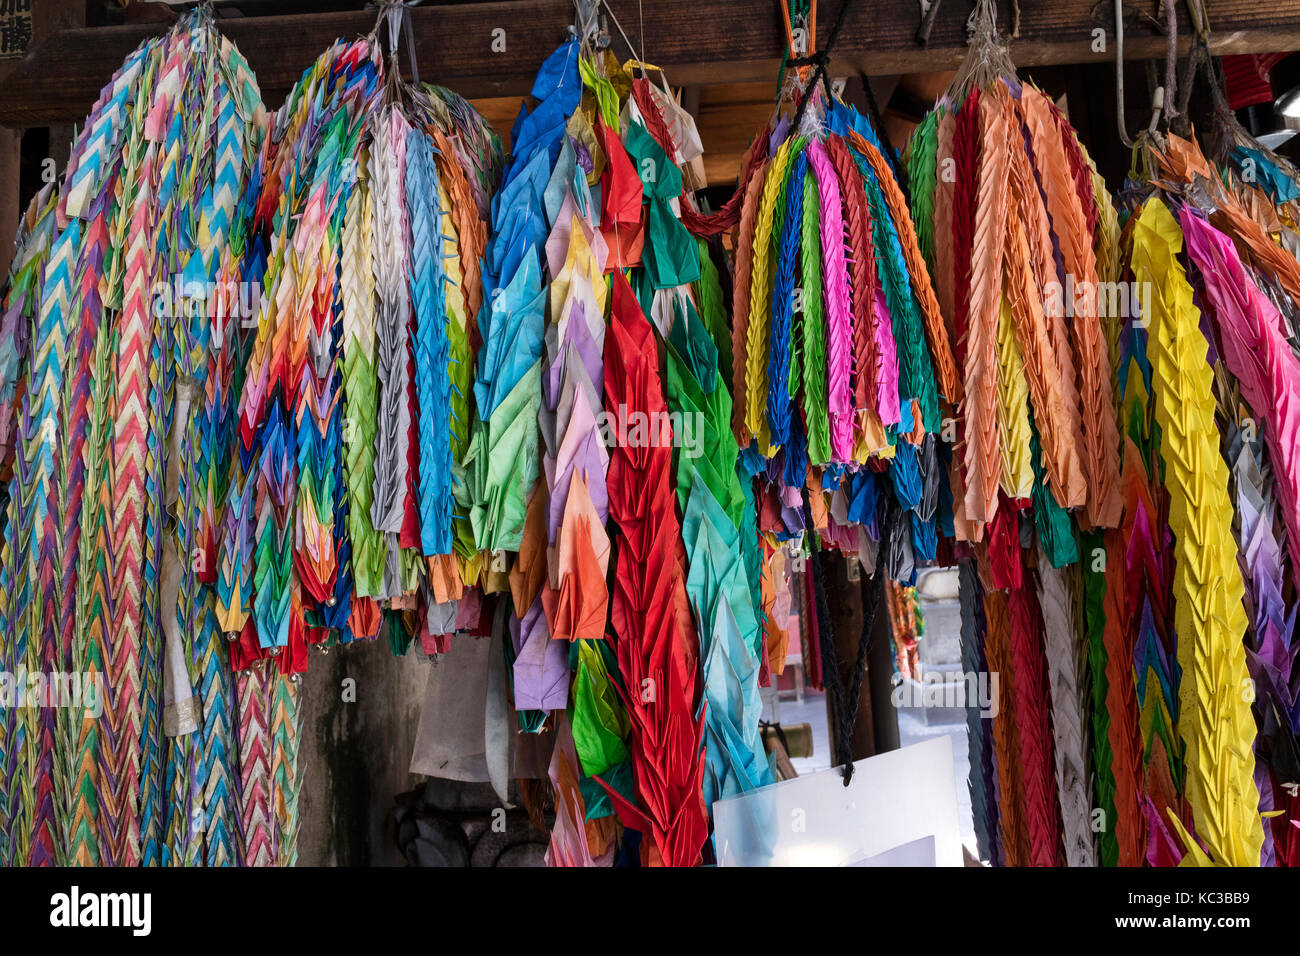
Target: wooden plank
<point>697,41</point>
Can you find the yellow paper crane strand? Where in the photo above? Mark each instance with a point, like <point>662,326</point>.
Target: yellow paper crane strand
<point>1108,270</point>
<point>740,303</point>
<point>1013,410</point>
<point>1214,720</point>
<point>760,303</point>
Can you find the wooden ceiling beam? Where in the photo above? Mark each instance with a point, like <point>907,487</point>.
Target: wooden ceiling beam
<point>697,41</point>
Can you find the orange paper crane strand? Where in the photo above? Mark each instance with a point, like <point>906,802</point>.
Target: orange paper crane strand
<point>1056,425</point>
<point>1182,159</point>
<point>982,444</point>
<point>1069,224</point>
<point>471,231</point>
<point>1011,812</point>
<point>1038,234</point>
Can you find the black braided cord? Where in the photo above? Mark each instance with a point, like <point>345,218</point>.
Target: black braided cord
<point>844,704</point>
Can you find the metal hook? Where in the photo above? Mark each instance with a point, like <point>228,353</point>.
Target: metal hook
<point>1171,62</point>
<point>1119,75</point>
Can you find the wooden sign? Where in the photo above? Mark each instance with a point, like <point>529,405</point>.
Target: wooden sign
<point>15,27</point>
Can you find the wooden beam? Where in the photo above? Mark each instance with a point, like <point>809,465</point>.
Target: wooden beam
<point>697,41</point>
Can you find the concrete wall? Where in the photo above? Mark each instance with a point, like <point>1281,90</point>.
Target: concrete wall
<point>940,648</point>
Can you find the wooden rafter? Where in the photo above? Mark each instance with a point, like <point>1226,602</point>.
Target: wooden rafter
<point>696,41</point>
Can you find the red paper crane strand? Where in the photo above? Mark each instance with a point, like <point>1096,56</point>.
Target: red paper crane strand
<point>655,644</point>
<point>1033,728</point>
<point>997,649</point>
<point>1123,732</point>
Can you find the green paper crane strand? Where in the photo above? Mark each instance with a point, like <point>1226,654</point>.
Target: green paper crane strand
<point>21,304</point>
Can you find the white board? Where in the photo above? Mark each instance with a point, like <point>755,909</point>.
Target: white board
<point>899,810</point>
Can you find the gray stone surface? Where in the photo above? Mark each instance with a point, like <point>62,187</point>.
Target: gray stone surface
<point>353,757</point>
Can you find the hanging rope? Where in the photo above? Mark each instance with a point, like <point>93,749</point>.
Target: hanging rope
<point>821,59</point>
<point>844,702</point>
<point>928,16</point>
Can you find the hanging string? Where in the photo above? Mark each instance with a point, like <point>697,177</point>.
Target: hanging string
<point>821,59</point>
<point>801,11</point>
<point>878,121</point>
<point>988,58</point>
<point>397,15</point>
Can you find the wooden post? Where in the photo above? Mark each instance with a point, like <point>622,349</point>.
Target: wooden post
<point>880,673</point>
<point>49,18</point>
<point>10,202</point>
